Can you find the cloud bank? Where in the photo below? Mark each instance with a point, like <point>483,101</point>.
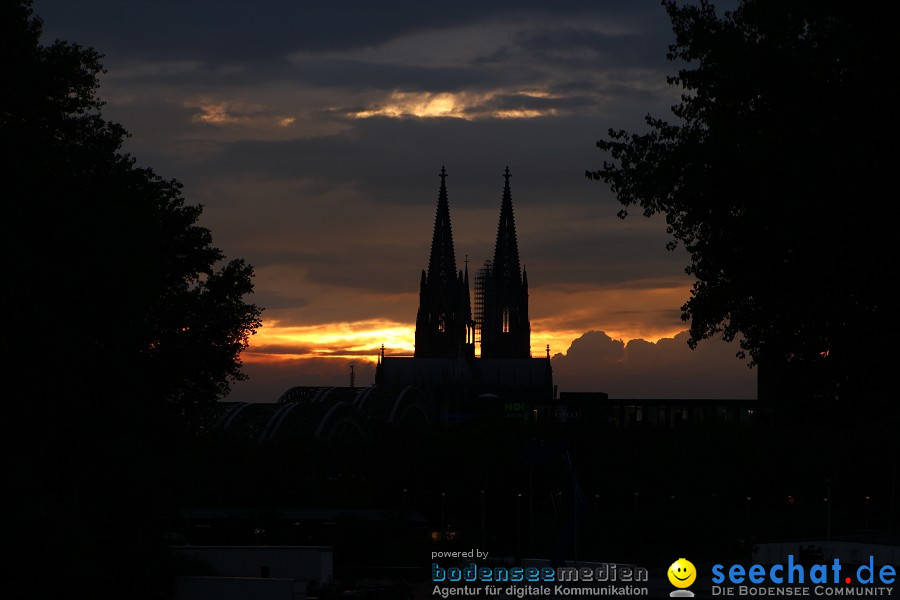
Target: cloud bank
<point>665,369</point>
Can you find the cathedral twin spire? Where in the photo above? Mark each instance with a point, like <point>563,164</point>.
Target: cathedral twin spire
<point>506,330</point>
<point>506,251</point>
<point>444,325</point>
<point>442,261</point>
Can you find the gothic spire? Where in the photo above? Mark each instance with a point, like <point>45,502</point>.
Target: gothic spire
<point>506,252</point>
<point>506,330</point>
<point>442,262</point>
<point>444,318</point>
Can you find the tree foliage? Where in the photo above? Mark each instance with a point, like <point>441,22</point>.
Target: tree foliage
<point>773,176</point>
<point>114,283</point>
<point>124,323</point>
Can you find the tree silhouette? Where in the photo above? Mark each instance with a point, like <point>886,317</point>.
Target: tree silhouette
<point>783,147</point>
<point>123,324</point>
<point>108,270</point>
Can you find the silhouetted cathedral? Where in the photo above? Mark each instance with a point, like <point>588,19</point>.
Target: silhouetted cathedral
<point>446,328</point>
<point>445,382</point>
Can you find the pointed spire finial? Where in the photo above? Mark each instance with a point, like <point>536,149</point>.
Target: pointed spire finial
<point>442,261</point>
<point>506,252</point>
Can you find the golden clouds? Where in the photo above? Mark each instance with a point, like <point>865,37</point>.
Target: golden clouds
<point>221,112</point>
<point>457,105</point>
<point>469,106</point>
<point>276,341</point>
<point>213,112</point>
<point>421,104</point>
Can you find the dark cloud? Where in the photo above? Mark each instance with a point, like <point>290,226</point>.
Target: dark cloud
<point>631,255</point>
<point>274,300</point>
<point>396,160</point>
<point>226,30</point>
<point>573,47</point>
<point>361,75</point>
<point>284,350</point>
<point>641,369</point>
<point>506,102</point>
<point>229,29</point>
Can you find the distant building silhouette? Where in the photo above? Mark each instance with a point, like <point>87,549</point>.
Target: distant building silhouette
<point>444,361</point>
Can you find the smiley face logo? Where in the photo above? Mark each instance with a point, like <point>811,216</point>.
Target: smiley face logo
<point>682,573</point>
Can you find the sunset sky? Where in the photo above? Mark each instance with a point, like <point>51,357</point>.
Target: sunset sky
<point>313,134</point>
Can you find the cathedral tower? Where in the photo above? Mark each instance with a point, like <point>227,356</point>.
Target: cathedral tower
<point>506,330</point>
<point>444,321</point>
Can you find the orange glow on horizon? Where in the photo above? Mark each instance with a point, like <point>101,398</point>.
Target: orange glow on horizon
<point>358,338</point>
<point>362,340</point>
<point>250,356</point>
